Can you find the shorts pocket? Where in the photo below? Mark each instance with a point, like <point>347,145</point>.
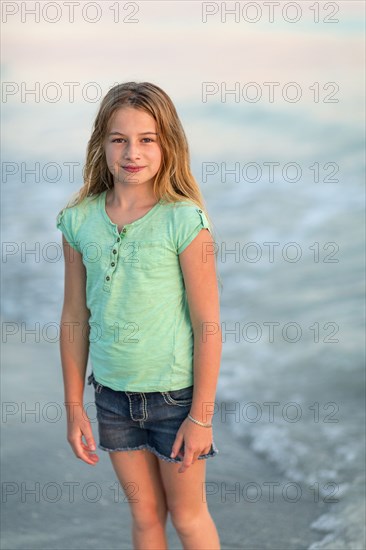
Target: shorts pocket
<point>180,398</point>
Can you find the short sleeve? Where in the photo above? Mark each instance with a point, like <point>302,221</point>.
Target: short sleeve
<point>66,224</point>
<point>189,220</point>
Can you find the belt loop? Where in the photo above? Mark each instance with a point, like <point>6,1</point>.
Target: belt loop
<point>91,380</point>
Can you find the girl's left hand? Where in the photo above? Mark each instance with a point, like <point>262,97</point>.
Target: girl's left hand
<point>197,441</point>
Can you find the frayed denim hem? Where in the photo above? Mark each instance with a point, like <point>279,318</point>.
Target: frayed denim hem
<point>155,452</point>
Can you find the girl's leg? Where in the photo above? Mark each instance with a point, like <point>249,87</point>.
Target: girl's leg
<point>186,500</point>
<point>139,475</point>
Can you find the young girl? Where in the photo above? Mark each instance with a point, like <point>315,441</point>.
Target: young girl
<point>141,296</point>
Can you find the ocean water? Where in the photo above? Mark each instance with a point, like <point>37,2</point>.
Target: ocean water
<point>298,393</point>
<point>292,262</point>
<point>293,325</point>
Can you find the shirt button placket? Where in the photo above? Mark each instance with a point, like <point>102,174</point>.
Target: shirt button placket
<point>113,262</point>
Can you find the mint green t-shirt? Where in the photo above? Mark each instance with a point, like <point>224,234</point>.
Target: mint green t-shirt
<point>141,336</point>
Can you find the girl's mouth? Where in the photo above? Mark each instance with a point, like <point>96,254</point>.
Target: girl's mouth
<point>133,169</point>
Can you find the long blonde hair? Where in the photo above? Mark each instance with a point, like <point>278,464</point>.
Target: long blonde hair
<point>174,180</point>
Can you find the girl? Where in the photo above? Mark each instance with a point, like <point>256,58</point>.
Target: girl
<point>140,290</point>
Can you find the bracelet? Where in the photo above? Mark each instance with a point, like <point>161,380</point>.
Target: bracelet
<point>199,423</point>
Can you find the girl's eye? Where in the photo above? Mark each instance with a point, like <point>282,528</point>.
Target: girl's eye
<point>149,140</point>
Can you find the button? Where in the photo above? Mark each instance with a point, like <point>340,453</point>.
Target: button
<point>107,278</point>
<point>118,239</point>
<point>114,251</point>
<point>113,264</point>
<point>199,210</point>
<point>124,230</point>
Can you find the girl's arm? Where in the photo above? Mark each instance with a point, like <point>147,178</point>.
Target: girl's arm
<point>74,349</point>
<point>199,272</point>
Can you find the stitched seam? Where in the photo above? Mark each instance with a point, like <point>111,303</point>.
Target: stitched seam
<point>130,405</point>
<point>144,409</point>
<point>164,396</point>
<point>182,403</point>
<point>144,406</point>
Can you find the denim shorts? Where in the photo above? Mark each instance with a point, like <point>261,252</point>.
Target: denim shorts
<point>130,421</point>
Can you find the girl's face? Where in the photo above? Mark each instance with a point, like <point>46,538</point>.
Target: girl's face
<point>132,148</point>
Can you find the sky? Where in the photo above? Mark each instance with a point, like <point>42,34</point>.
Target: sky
<point>170,45</point>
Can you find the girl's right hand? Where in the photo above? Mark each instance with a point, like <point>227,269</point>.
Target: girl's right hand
<point>78,426</point>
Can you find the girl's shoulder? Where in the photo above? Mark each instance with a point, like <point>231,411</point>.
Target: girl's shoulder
<point>186,212</point>
<point>178,209</point>
<point>71,219</point>
<point>187,220</point>
<point>184,202</point>
<point>181,207</point>
<point>77,210</point>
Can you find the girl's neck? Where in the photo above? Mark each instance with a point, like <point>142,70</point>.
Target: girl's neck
<point>128,199</point>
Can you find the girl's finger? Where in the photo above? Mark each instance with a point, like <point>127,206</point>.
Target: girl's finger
<point>90,443</point>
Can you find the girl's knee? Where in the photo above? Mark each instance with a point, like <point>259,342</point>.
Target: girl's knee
<point>185,521</point>
<point>148,516</point>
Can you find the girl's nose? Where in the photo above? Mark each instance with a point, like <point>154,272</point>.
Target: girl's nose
<point>131,151</point>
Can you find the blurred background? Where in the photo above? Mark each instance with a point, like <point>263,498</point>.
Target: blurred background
<point>282,175</point>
